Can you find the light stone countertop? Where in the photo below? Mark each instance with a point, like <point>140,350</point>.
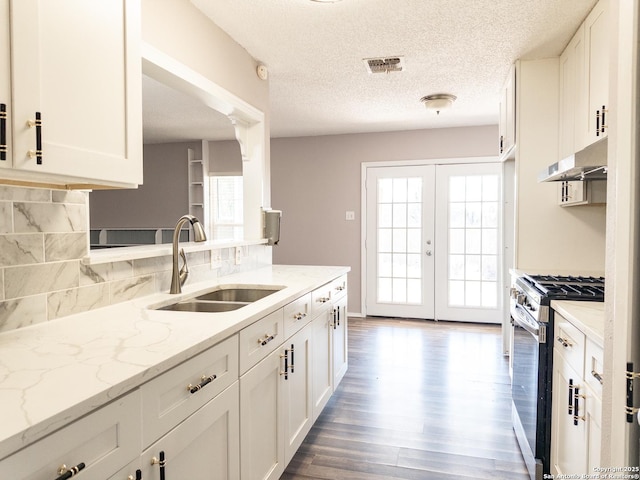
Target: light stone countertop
<point>56,372</point>
<point>588,317</point>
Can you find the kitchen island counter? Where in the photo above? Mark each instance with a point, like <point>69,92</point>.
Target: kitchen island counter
<point>54,373</point>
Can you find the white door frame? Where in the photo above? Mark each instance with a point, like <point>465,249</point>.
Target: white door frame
<point>363,204</point>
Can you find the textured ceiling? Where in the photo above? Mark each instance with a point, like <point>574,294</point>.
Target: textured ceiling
<point>318,81</point>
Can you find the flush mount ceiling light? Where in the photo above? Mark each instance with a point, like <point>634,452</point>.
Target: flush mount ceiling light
<point>438,101</point>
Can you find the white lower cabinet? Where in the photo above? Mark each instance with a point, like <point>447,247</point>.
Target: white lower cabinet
<point>298,412</point>
<point>203,447</point>
<point>99,445</point>
<point>276,408</point>
<point>568,449</point>
<point>261,420</point>
<point>339,348</point>
<point>322,376</point>
<point>576,401</point>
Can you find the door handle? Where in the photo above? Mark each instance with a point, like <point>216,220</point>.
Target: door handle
<point>428,252</point>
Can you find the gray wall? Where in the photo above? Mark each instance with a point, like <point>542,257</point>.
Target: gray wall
<point>225,158</point>
<point>159,202</point>
<point>315,180</point>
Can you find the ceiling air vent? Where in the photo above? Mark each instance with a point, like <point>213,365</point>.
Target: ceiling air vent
<point>384,64</point>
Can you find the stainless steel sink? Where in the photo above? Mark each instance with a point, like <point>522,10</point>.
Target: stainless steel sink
<point>222,299</point>
<point>237,294</point>
<point>206,307</point>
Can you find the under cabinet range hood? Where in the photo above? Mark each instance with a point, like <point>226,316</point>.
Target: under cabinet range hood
<point>590,163</point>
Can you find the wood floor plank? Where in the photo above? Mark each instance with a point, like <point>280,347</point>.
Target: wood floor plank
<point>421,400</point>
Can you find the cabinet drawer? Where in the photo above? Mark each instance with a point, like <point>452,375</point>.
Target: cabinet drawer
<point>105,441</point>
<point>296,315</point>
<point>570,342</point>
<point>321,299</point>
<point>260,339</point>
<point>593,367</point>
<point>173,396</point>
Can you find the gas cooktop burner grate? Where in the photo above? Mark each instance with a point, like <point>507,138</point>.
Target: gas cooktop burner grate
<point>565,279</point>
<point>567,287</point>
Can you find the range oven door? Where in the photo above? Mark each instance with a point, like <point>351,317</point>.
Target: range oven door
<point>530,391</point>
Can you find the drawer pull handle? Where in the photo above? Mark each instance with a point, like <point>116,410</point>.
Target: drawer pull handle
<point>37,153</point>
<point>3,131</point>
<point>299,316</point>
<point>340,288</point>
<point>66,473</point>
<point>267,338</point>
<point>597,376</point>
<point>323,299</point>
<point>205,381</point>
<point>565,343</point>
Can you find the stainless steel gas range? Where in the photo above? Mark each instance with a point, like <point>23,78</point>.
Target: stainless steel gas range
<point>532,358</point>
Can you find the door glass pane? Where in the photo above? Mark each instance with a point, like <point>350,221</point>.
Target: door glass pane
<point>473,241</point>
<point>400,211</point>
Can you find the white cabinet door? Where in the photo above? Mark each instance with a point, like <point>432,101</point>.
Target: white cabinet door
<point>573,112</point>
<point>298,412</point>
<point>507,123</point>
<point>339,347</point>
<point>596,34</point>
<point>261,420</point>
<point>5,87</point>
<point>203,447</point>
<point>568,443</point>
<point>322,378</point>
<point>76,65</point>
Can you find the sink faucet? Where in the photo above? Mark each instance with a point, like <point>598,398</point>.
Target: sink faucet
<point>178,277</point>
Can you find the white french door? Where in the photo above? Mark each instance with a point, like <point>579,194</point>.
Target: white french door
<point>433,246</point>
<point>399,237</point>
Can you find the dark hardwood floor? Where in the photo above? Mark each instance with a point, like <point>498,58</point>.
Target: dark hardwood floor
<point>421,400</point>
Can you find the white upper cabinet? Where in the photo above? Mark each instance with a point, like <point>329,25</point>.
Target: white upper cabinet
<point>584,85</point>
<point>596,35</point>
<point>76,83</point>
<point>573,115</point>
<point>5,86</point>
<point>507,124</point>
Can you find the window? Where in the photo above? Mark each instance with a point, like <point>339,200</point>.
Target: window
<point>226,207</point>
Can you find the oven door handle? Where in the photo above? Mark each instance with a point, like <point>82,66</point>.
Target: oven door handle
<point>532,330</point>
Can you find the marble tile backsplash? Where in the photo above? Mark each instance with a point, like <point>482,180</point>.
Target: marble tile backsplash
<point>43,239</point>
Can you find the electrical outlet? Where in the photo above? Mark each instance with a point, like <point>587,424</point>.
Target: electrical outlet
<point>238,255</point>
<point>350,215</point>
<point>216,259</point>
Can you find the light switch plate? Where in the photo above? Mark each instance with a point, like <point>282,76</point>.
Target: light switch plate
<point>350,215</point>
